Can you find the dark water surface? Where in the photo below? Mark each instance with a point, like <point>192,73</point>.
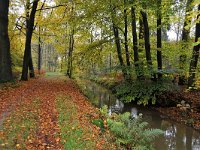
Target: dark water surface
<point>176,136</point>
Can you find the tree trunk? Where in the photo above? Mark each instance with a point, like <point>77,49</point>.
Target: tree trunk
<point>119,52</point>
<point>147,43</point>
<point>141,34</point>
<point>135,43</point>
<point>117,40</point>
<point>27,61</point>
<point>30,66</point>
<point>5,58</point>
<point>126,35</point>
<point>71,48</point>
<point>39,52</point>
<point>186,31</point>
<point>195,55</point>
<point>159,39</point>
<point>185,38</point>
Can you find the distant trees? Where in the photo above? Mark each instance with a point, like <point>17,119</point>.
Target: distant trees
<point>5,58</point>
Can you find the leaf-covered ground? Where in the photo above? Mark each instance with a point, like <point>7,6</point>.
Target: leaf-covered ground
<point>189,116</point>
<point>48,113</point>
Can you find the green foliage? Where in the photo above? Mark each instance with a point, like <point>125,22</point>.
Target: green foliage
<point>143,91</point>
<point>190,121</point>
<point>131,132</point>
<point>99,123</point>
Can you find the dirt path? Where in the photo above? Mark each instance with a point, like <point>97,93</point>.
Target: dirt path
<point>37,97</point>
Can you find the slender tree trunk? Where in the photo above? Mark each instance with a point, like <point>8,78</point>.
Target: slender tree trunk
<point>27,61</point>
<point>159,38</point>
<point>71,48</point>
<point>185,38</point>
<point>119,52</point>
<point>126,35</point>
<point>195,55</point>
<point>147,43</point>
<point>39,52</point>
<point>141,34</point>
<point>135,42</point>
<point>117,40</point>
<point>5,58</point>
<point>110,62</point>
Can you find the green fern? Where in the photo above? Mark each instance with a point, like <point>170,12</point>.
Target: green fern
<point>132,133</point>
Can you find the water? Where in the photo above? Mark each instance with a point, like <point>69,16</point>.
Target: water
<point>176,136</point>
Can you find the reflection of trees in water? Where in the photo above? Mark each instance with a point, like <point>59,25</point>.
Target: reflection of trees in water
<point>170,137</point>
<point>176,137</point>
<point>195,142</point>
<point>118,107</point>
<point>189,135</point>
<point>180,138</point>
<point>134,112</point>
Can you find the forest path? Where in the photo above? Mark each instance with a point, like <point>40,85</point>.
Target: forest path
<point>41,111</point>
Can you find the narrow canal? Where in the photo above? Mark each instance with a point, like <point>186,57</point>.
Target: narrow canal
<point>176,136</point>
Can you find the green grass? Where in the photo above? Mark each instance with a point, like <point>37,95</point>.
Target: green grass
<point>53,74</point>
<point>20,126</point>
<point>72,135</point>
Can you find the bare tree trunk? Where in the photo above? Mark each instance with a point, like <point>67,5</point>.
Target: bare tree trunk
<point>39,52</point>
<point>126,35</point>
<point>117,41</point>
<point>119,52</point>
<point>5,58</point>
<point>147,43</point>
<point>135,43</point>
<point>159,38</point>
<point>27,61</point>
<point>195,55</point>
<point>70,54</point>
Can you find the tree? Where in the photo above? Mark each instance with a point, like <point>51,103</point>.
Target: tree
<point>195,54</point>
<point>5,58</point>
<point>159,38</point>
<point>135,41</point>
<point>27,61</point>
<point>118,45</point>
<point>39,50</point>
<point>126,34</point>
<point>185,38</point>
<point>147,42</point>
<point>70,52</point>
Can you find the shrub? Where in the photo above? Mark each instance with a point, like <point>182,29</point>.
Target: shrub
<point>143,92</point>
<point>131,132</point>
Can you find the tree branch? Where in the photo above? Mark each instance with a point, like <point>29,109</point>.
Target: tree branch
<point>51,7</point>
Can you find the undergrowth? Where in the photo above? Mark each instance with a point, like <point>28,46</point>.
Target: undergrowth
<point>132,133</point>
<point>141,91</point>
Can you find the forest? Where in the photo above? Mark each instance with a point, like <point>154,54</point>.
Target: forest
<point>99,74</point>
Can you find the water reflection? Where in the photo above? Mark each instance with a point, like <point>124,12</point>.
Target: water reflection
<point>176,136</point>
